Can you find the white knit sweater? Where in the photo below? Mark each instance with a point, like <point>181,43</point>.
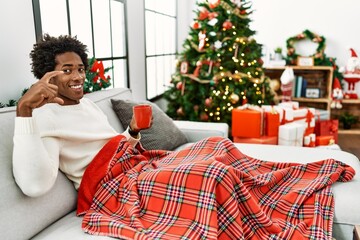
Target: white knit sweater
<point>65,137</point>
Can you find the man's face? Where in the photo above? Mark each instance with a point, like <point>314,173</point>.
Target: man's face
<point>71,83</point>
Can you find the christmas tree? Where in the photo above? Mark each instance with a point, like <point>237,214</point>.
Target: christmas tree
<point>220,67</point>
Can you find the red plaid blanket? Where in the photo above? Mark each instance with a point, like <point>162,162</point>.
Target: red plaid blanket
<point>207,191</point>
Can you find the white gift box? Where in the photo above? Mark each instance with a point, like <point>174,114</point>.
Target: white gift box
<point>287,112</point>
<point>300,116</point>
<point>321,114</point>
<point>290,104</point>
<point>291,134</point>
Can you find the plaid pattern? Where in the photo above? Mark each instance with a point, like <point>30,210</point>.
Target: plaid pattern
<point>211,191</point>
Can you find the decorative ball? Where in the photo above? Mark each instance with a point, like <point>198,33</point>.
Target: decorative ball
<point>204,117</point>
<point>227,25</point>
<point>214,3</point>
<point>275,84</point>
<point>180,111</point>
<point>195,25</point>
<point>179,85</point>
<point>208,102</point>
<point>196,108</point>
<point>234,98</point>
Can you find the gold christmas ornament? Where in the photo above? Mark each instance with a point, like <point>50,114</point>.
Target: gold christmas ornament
<point>180,111</point>
<point>234,98</point>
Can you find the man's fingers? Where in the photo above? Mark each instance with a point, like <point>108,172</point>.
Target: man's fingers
<point>57,100</point>
<point>46,78</point>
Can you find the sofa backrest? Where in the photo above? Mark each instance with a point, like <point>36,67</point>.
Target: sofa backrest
<point>23,217</point>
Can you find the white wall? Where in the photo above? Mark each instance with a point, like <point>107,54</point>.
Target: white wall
<point>274,21</point>
<point>277,20</point>
<point>17,37</point>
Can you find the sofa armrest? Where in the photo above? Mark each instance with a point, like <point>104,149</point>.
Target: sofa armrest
<point>195,131</point>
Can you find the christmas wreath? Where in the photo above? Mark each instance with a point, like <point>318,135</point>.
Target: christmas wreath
<point>318,55</point>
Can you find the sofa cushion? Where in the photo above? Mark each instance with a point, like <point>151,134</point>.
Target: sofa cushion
<point>163,134</point>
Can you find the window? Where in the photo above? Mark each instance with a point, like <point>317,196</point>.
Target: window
<point>161,35</point>
<point>100,24</point>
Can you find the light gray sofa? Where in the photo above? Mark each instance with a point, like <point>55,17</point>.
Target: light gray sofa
<point>52,216</point>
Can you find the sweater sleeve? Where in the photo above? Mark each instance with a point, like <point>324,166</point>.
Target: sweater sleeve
<point>131,140</point>
<point>35,159</point>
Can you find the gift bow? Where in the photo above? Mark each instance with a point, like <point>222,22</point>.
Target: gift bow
<point>333,128</point>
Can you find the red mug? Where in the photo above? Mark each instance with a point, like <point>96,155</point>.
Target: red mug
<point>142,114</point>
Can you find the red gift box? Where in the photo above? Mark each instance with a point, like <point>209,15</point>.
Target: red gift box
<point>324,140</point>
<point>261,140</point>
<point>327,128</point>
<point>247,123</point>
<point>272,123</point>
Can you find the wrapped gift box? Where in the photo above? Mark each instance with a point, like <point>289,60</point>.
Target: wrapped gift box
<point>247,122</point>
<point>261,140</point>
<point>289,104</point>
<point>272,124</point>
<point>327,128</point>
<point>286,115</point>
<point>310,140</point>
<point>324,140</point>
<point>306,116</point>
<point>291,134</point>
<point>321,114</point>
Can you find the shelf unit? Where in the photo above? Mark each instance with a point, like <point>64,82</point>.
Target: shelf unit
<point>320,75</point>
<point>323,74</point>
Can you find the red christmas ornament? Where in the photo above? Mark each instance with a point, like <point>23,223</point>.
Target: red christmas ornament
<point>195,25</point>
<point>203,14</point>
<point>179,85</point>
<point>227,25</point>
<point>204,117</point>
<point>208,102</point>
<point>214,3</point>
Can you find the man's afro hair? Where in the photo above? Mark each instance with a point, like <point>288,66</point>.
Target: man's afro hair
<point>44,53</point>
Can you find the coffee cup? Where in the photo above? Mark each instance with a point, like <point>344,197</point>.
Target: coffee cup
<point>143,115</point>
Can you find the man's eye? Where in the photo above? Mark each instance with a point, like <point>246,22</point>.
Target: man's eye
<point>81,70</point>
<point>66,71</point>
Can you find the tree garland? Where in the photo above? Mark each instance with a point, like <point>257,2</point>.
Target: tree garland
<point>306,34</point>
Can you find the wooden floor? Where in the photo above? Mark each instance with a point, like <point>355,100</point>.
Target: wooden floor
<point>350,143</point>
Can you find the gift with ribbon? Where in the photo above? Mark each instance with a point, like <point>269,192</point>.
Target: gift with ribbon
<point>286,115</point>
<point>290,104</point>
<point>247,121</point>
<point>324,140</point>
<point>291,134</point>
<point>273,140</point>
<point>310,140</point>
<point>321,114</point>
<point>306,116</point>
<point>272,123</point>
<point>327,128</point>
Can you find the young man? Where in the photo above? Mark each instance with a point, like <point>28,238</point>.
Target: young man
<point>55,126</point>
